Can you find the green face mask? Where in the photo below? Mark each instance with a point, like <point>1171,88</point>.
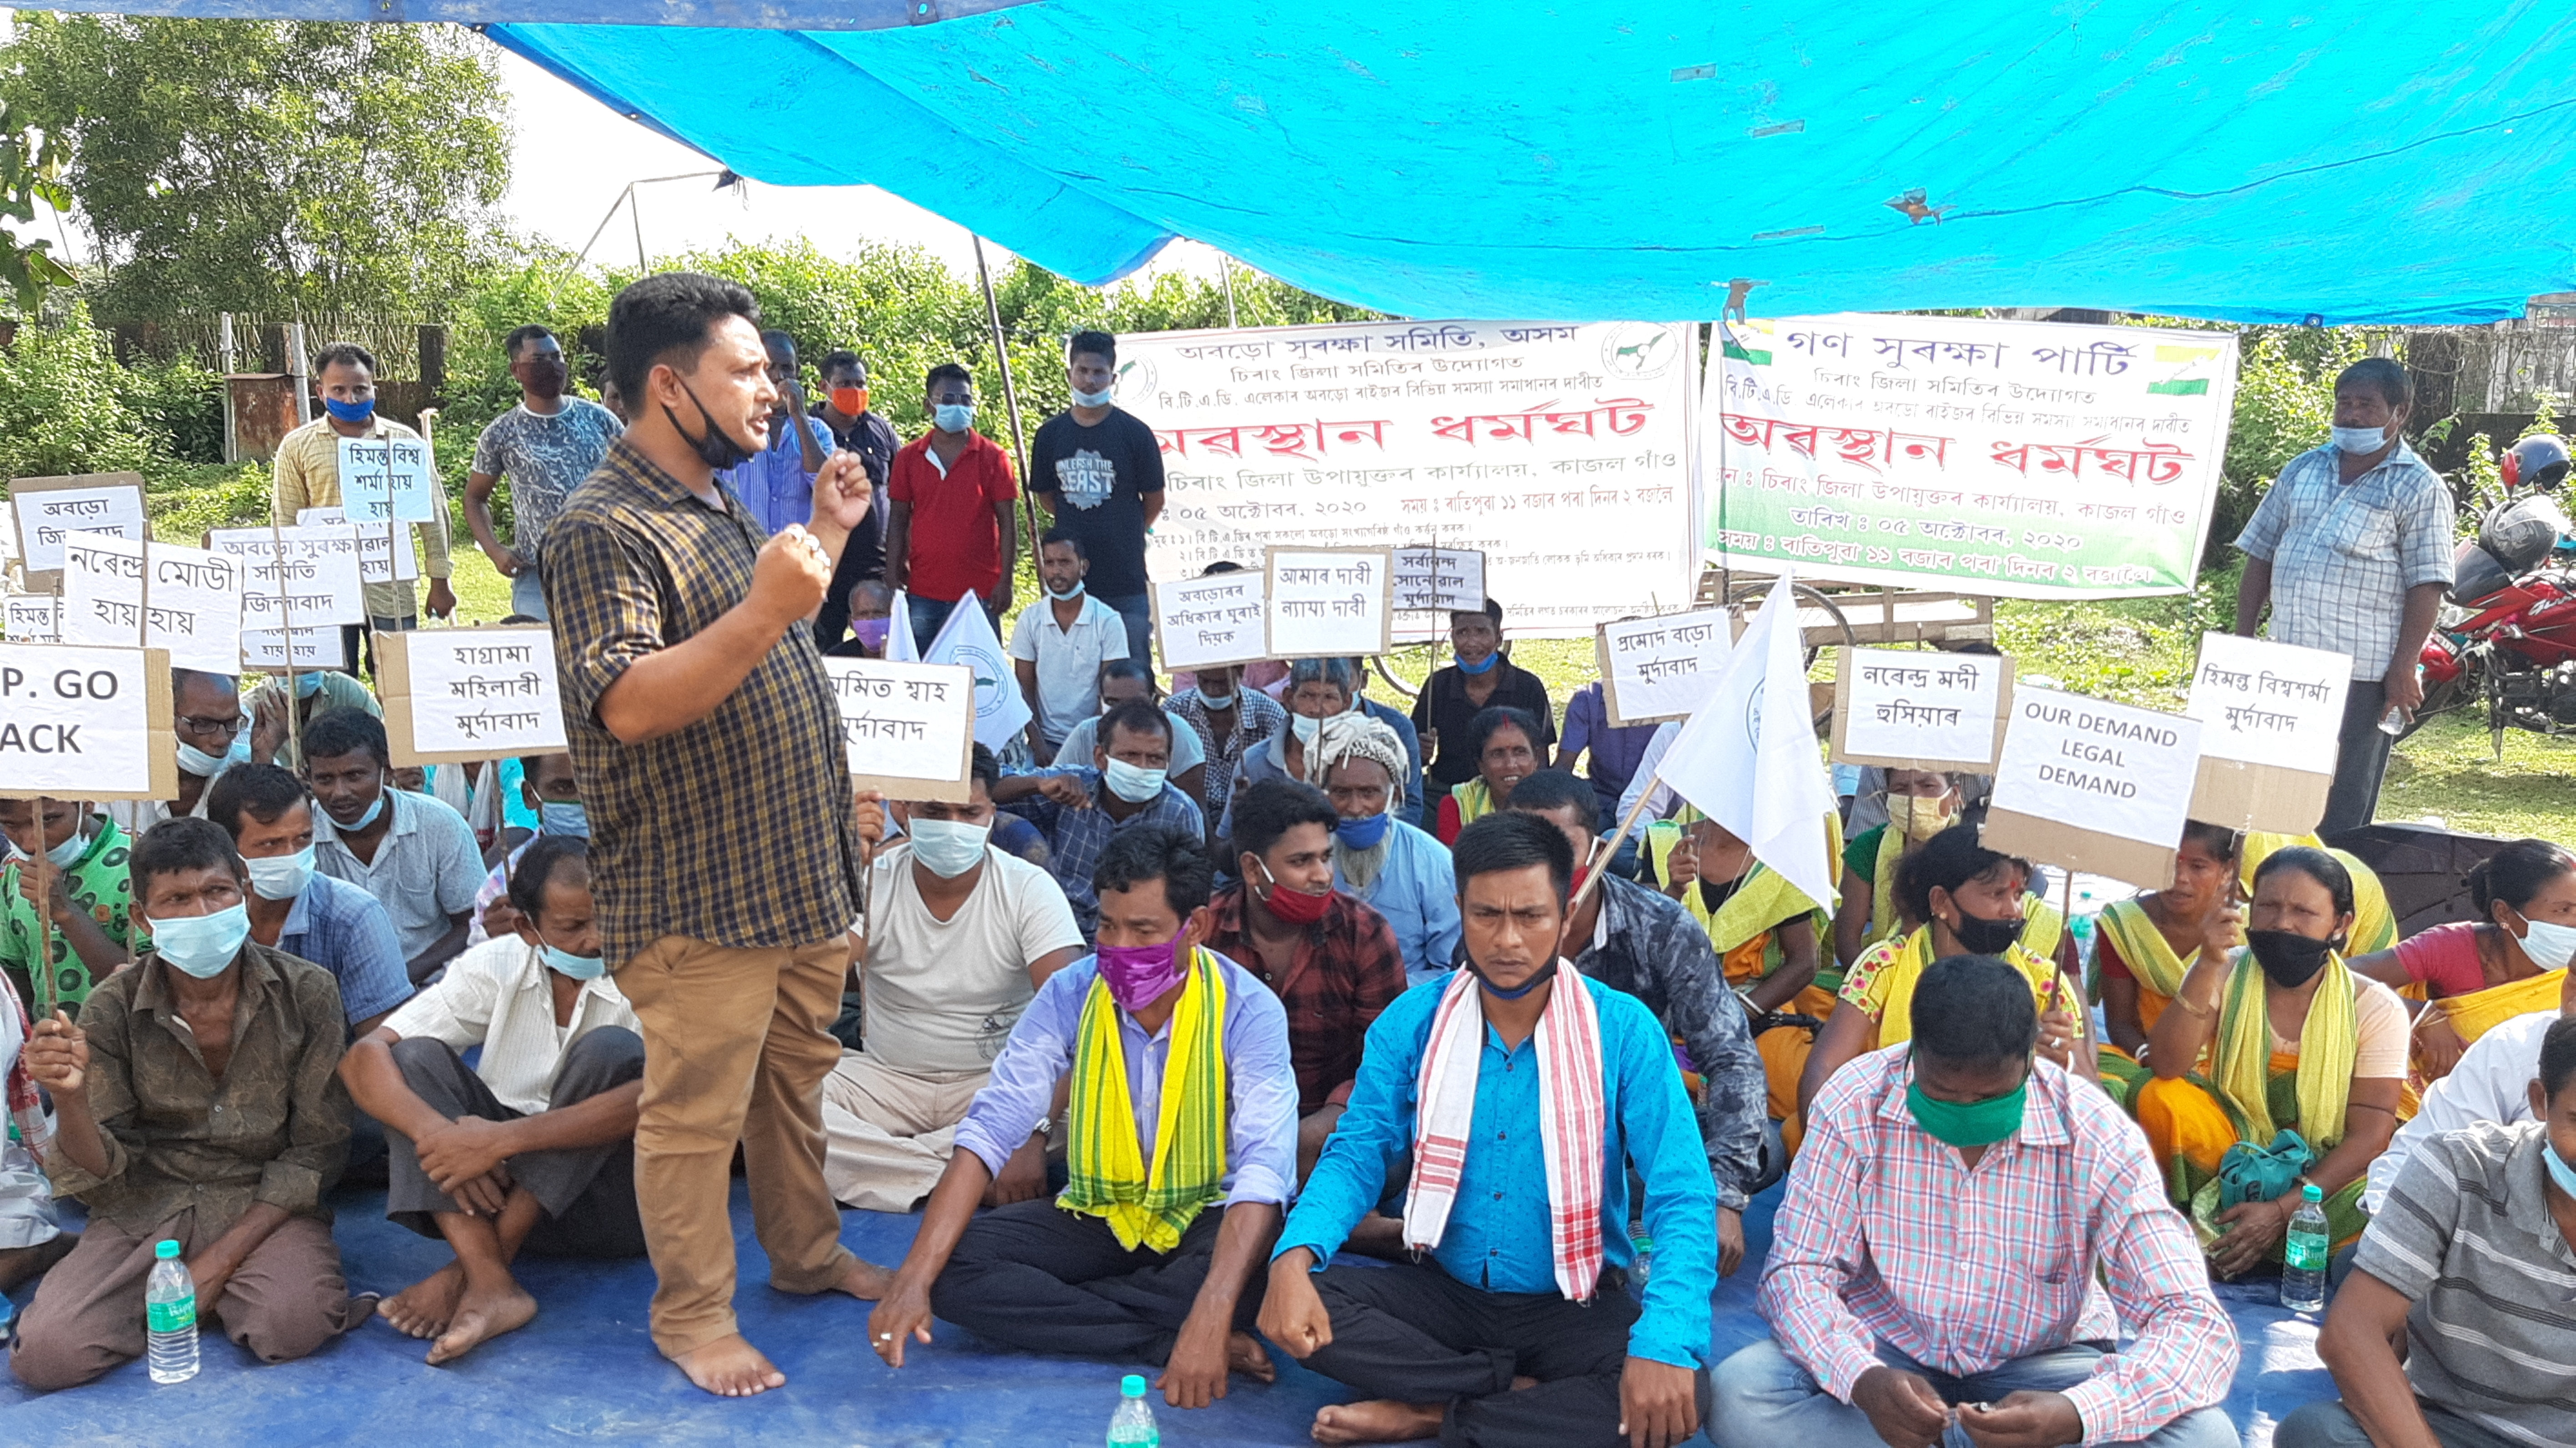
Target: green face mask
<point>1967,1123</point>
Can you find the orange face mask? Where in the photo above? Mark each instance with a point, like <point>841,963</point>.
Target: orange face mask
<point>849,401</point>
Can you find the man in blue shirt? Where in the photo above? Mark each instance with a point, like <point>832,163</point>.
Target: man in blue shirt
<point>1082,810</point>
<point>1508,1335</point>
<point>776,484</point>
<point>298,909</point>
<point>1129,1261</point>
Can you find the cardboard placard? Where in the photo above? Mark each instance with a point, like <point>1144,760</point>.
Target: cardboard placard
<point>319,575</point>
<point>49,509</point>
<point>1330,603</point>
<point>1440,580</point>
<point>1911,709</point>
<point>162,596</point>
<point>1210,622</point>
<point>384,555</point>
<point>1653,669</point>
<point>315,648</point>
<point>387,480</point>
<point>910,727</point>
<point>79,722</point>
<point>2124,772</point>
<point>32,618</point>
<point>456,695</point>
<point>2271,728</point>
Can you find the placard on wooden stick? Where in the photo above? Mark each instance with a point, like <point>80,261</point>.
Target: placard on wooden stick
<point>1330,602</point>
<point>1911,709</point>
<point>49,509</point>
<point>1654,669</point>
<point>457,695</point>
<point>2271,728</point>
<point>32,618</point>
<point>79,721</point>
<point>1440,580</point>
<point>910,727</point>
<point>2125,773</point>
<point>1212,622</point>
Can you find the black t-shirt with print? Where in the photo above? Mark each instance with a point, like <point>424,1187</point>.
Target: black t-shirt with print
<point>1095,479</point>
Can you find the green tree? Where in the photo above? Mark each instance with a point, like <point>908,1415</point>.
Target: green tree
<point>59,409</point>
<point>31,170</point>
<point>274,166</point>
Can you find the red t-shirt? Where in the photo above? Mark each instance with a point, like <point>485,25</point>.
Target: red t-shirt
<point>2445,958</point>
<point>956,543</point>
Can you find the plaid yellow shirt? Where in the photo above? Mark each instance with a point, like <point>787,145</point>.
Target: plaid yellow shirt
<point>736,830</point>
<point>308,476</point>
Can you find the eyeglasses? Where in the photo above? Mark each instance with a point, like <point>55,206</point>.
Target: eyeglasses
<point>202,724</point>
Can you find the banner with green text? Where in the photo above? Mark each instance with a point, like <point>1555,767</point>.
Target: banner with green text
<point>2013,459</point>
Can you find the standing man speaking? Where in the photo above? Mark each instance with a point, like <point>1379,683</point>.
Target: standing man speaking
<point>680,630</point>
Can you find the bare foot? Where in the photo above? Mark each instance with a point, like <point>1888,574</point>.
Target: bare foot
<point>481,1317</point>
<point>1243,1354</point>
<point>865,1280</point>
<point>730,1367</point>
<point>426,1307</point>
<point>1378,1236</point>
<point>1381,1420</point>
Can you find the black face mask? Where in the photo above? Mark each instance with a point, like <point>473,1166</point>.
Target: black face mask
<point>546,377</point>
<point>2288,958</point>
<point>1542,976</point>
<point>717,449</point>
<point>1979,936</point>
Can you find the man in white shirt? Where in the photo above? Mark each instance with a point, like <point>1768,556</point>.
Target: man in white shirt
<point>534,1147</point>
<point>414,854</point>
<point>2490,1083</point>
<point>1058,645</point>
<point>960,937</point>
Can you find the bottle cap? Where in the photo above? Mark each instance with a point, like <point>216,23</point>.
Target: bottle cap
<point>2312,1192</point>
<point>166,1250</point>
<point>1132,1385</point>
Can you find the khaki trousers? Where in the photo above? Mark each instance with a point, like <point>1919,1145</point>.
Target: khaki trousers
<point>891,1131</point>
<point>736,1045</point>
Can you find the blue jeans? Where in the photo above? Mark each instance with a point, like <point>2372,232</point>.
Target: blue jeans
<point>1137,612</point>
<point>528,592</point>
<point>1766,1401</point>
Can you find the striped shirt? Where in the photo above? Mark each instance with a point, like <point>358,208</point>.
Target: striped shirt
<point>496,996</point>
<point>1885,1237</point>
<point>2467,1236</point>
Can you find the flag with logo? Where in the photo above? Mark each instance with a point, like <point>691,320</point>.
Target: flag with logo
<point>1001,714</point>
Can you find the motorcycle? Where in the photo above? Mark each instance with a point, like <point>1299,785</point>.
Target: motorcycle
<point>2506,635</point>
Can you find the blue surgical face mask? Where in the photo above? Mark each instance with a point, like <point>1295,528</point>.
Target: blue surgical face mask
<point>383,791</point>
<point>1102,398</point>
<point>2360,442</point>
<point>281,877</point>
<point>949,848</point>
<point>1307,730</point>
<point>953,416</point>
<point>64,855</point>
<point>1363,834</point>
<point>2559,1171</point>
<point>1484,665</point>
<point>1134,785</point>
<point>202,945</point>
<point>350,411</point>
<point>565,963</point>
<point>307,685</point>
<point>198,762</point>
<point>563,817</point>
<point>1069,594</point>
<point>240,752</point>
<point>1216,701</point>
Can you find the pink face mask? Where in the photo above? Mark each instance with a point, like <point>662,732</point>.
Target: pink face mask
<point>1137,974</point>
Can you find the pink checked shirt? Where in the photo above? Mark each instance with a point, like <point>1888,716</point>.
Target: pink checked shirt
<point>1884,1237</point>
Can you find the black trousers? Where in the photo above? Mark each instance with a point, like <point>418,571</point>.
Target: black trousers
<point>1413,1333</point>
<point>1034,1276</point>
<point>2363,762</point>
<point>587,1192</point>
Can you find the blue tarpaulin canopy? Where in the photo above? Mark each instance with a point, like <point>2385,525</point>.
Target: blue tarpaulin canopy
<point>1521,158</point>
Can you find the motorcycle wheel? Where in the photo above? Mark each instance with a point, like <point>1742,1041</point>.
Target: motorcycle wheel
<point>2443,698</point>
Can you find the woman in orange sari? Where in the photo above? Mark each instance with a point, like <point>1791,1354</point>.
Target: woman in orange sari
<point>2143,947</point>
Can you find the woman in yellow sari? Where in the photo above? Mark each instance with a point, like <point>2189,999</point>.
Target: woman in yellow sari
<point>2374,925</point>
<point>1921,803</point>
<point>2143,947</point>
<point>1973,901</point>
<point>2280,1036</point>
<point>2464,978</point>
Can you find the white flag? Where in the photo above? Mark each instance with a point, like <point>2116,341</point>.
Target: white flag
<point>1748,757</point>
<point>1001,715</point>
<point>901,647</point>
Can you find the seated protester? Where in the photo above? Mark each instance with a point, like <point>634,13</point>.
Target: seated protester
<point>1331,960</point>
<point>1080,810</point>
<point>1230,721</point>
<point>1060,642</point>
<point>961,935</point>
<point>84,904</point>
<point>1378,858</point>
<point>2475,1272</point>
<point>1972,901</point>
<point>2485,1087</point>
<point>1768,939</point>
<point>2476,975</point>
<point>1128,1261</point>
<point>317,693</point>
<point>31,1239</point>
<point>2374,925</point>
<point>1615,752</point>
<point>195,1102</point>
<point>1123,681</point>
<point>1318,690</point>
<point>531,1148</point>
<point>2142,948</point>
<point>1634,940</point>
<point>871,614</point>
<point>414,854</point>
<point>547,786</point>
<point>1506,744</point>
<point>2295,1042</point>
<point>1520,1328</point>
<point>1921,803</point>
<point>212,734</point>
<point>1964,1239</point>
<point>1482,678</point>
<point>295,908</point>
<point>1398,724</point>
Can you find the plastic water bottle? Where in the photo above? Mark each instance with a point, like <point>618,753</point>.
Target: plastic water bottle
<point>2303,1258</point>
<point>170,1307</point>
<point>1642,1269</point>
<point>1132,1426</point>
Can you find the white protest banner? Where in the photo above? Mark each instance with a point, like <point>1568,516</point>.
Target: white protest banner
<point>50,509</point>
<point>315,648</point>
<point>968,641</point>
<point>910,727</point>
<point>455,695</point>
<point>2011,459</point>
<point>1914,709</point>
<point>1201,623</point>
<point>1653,669</point>
<point>85,723</point>
<point>2271,729</point>
<point>32,618</point>
<point>187,601</point>
<point>1439,580</point>
<point>387,479</point>
<point>384,555</point>
<point>1329,603</point>
<point>1561,453</point>
<point>102,589</point>
<point>2093,785</point>
<point>318,573</point>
